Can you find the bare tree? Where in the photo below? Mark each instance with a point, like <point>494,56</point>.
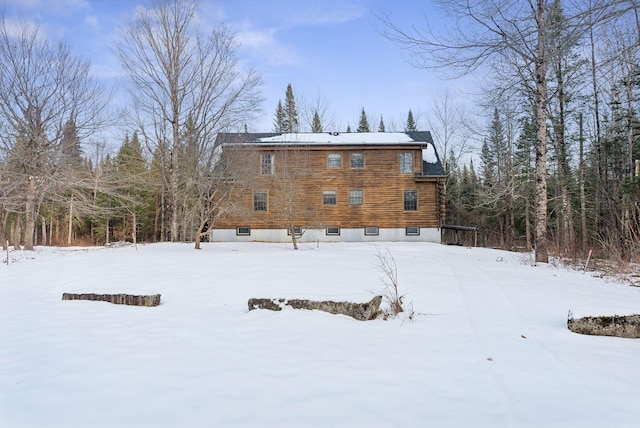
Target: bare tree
<point>450,126</point>
<point>184,78</point>
<point>43,88</point>
<point>319,108</point>
<point>514,32</point>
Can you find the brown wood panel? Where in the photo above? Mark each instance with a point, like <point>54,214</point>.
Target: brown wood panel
<point>301,174</point>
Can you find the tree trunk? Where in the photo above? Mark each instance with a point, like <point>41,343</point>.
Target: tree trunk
<point>3,231</point>
<point>598,143</point>
<point>133,229</point>
<point>360,311</point>
<point>16,233</point>
<point>70,225</point>
<point>583,198</point>
<point>44,231</point>
<point>541,250</point>
<point>31,214</point>
<point>527,223</point>
<point>119,299</point>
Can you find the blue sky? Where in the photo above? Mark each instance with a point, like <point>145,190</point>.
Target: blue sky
<point>328,50</point>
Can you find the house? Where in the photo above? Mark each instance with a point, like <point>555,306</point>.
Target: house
<point>377,186</point>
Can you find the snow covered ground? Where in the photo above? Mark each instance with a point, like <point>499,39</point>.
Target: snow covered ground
<point>489,345</point>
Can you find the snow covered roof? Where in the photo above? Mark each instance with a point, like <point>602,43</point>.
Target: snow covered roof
<point>419,139</point>
<point>340,138</point>
<point>332,138</point>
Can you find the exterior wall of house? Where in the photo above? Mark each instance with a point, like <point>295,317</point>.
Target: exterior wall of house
<point>315,235</point>
<point>302,173</point>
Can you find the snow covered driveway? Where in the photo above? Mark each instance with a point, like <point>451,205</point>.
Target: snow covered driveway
<point>488,347</point>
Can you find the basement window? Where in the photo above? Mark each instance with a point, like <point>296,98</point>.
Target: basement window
<point>371,231</point>
<point>333,230</point>
<point>297,230</point>
<point>243,231</point>
<point>412,231</point>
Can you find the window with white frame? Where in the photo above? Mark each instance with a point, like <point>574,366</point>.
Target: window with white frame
<point>333,230</point>
<point>411,200</point>
<point>371,231</point>
<point>329,197</point>
<point>297,231</point>
<point>356,197</point>
<point>243,231</point>
<point>412,231</point>
<point>260,201</point>
<point>406,163</point>
<point>266,163</point>
<point>357,160</point>
<point>334,160</point>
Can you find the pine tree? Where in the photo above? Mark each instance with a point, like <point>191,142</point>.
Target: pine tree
<point>381,125</point>
<point>291,123</point>
<point>363,125</point>
<point>279,119</point>
<point>411,123</point>
<point>348,129</point>
<point>132,171</point>
<point>71,149</point>
<point>316,126</point>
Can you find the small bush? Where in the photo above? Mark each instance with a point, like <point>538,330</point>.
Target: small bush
<point>390,291</point>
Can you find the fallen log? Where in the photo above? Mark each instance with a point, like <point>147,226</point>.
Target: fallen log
<point>118,299</point>
<point>360,311</point>
<point>627,326</point>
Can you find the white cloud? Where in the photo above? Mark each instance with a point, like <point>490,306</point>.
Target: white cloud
<point>92,21</point>
<point>19,27</point>
<point>60,7</point>
<point>326,15</point>
<point>264,44</point>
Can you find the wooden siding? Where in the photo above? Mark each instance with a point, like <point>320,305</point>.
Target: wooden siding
<point>302,174</point>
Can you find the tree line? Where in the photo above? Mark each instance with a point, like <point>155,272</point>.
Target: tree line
<point>555,166</point>
<point>559,159</point>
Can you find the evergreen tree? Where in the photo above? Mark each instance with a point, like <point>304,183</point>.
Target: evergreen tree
<point>279,119</point>
<point>71,156</point>
<point>291,123</point>
<point>411,124</point>
<point>381,125</point>
<point>132,171</point>
<point>316,126</point>
<point>363,125</point>
<point>348,129</point>
<point>130,159</point>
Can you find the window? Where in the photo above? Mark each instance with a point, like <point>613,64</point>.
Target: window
<point>355,197</point>
<point>243,231</point>
<point>406,163</point>
<point>411,200</point>
<point>297,230</point>
<point>328,197</point>
<point>371,231</point>
<point>266,163</point>
<point>334,160</point>
<point>333,230</point>
<point>260,201</point>
<point>412,230</point>
<point>357,160</point>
